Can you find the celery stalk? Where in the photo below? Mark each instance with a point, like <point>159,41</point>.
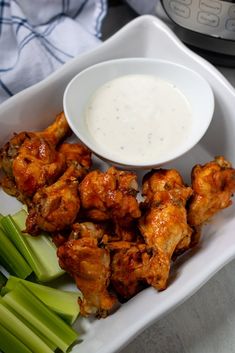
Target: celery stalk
<point>11,259</point>
<point>17,328</point>
<point>43,247</point>
<point>39,316</point>
<point>46,340</point>
<point>9,343</point>
<point>39,251</point>
<point>63,303</point>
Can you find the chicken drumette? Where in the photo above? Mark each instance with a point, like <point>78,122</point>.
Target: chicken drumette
<point>164,222</point>
<point>30,160</point>
<point>89,263</point>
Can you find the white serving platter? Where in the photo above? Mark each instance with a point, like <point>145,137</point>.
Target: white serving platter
<point>35,107</point>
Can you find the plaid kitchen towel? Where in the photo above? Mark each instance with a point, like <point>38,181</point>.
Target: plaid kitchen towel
<point>38,36</point>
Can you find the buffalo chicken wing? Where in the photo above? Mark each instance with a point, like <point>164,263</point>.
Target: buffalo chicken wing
<point>55,207</point>
<point>30,160</point>
<point>108,241</point>
<point>110,195</point>
<point>164,222</point>
<point>90,267</point>
<point>213,185</point>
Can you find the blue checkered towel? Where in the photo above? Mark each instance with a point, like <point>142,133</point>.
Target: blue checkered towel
<point>38,36</point>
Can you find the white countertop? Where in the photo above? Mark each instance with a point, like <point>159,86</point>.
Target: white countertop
<point>204,323</point>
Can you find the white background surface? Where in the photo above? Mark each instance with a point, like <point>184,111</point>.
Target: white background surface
<point>206,322</point>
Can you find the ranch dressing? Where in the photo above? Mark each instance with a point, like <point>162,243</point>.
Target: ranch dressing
<point>138,117</point>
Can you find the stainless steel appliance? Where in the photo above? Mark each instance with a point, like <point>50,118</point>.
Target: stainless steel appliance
<point>208,26</point>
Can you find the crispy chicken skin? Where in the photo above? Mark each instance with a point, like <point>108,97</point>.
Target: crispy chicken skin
<point>128,233</point>
<point>213,185</point>
<point>164,184</point>
<point>31,161</point>
<point>76,152</point>
<point>134,266</point>
<point>126,260</point>
<point>164,221</point>
<point>110,195</point>
<point>37,164</point>
<point>55,207</point>
<point>90,267</point>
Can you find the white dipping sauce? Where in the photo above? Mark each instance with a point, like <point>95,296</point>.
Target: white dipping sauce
<point>138,117</point>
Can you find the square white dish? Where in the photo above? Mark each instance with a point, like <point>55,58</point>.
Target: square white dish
<point>36,107</point>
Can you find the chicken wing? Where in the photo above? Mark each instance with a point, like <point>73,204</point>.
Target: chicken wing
<point>90,267</point>
<point>126,259</point>
<point>55,207</point>
<point>164,222</point>
<point>135,266</point>
<point>57,131</point>
<point>31,161</point>
<point>110,195</point>
<point>213,186</point>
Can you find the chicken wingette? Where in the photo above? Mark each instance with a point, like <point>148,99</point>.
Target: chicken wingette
<point>30,159</point>
<point>110,196</point>
<point>55,207</point>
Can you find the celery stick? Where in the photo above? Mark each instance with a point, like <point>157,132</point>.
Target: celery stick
<point>21,300</point>
<point>43,247</point>
<point>39,251</point>
<point>9,343</point>
<point>63,303</point>
<point>11,259</point>
<point>46,340</point>
<point>16,327</point>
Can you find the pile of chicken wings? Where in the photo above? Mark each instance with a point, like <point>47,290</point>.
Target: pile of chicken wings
<point>109,242</point>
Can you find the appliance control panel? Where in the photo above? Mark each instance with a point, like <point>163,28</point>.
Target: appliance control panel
<point>212,17</point>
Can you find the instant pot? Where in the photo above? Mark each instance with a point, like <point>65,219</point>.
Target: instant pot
<point>207,26</point>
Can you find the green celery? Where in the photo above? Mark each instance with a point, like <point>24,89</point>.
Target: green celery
<point>46,340</point>
<point>23,302</point>
<point>63,303</point>
<point>11,259</point>
<point>9,343</point>
<point>51,345</point>
<point>39,251</point>
<point>43,247</point>
<point>17,328</point>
